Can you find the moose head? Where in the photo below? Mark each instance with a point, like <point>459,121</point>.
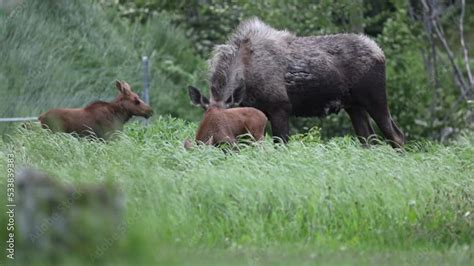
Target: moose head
<point>130,101</point>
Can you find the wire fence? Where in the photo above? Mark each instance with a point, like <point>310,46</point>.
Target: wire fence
<point>145,93</point>
<point>18,119</point>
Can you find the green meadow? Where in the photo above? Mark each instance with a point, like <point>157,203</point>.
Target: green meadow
<point>308,202</point>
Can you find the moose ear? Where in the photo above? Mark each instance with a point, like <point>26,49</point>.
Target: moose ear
<point>118,84</point>
<point>196,97</point>
<point>126,89</point>
<point>123,87</point>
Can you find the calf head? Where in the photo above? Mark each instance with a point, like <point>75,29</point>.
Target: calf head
<point>200,100</point>
<point>131,102</point>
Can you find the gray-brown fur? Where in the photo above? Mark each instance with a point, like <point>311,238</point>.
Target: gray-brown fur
<point>282,75</point>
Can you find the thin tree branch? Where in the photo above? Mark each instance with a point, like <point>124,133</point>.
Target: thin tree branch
<point>429,58</point>
<point>440,33</point>
<point>466,55</point>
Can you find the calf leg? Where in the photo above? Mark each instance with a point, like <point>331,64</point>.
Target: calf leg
<point>258,133</point>
<point>226,137</point>
<point>279,120</point>
<point>360,122</point>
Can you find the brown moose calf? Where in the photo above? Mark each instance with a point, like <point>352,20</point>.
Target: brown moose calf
<point>98,118</point>
<point>221,125</point>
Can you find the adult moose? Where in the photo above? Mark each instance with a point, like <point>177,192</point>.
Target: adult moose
<point>282,75</point>
<point>98,118</point>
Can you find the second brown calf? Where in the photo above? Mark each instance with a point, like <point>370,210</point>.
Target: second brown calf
<point>221,125</point>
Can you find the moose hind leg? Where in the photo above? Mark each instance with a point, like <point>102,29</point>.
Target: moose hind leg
<point>399,133</point>
<point>361,123</point>
<point>391,132</point>
<point>280,125</point>
<point>371,93</point>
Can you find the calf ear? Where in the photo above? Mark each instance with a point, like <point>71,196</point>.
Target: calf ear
<point>118,85</point>
<point>123,87</point>
<point>196,97</point>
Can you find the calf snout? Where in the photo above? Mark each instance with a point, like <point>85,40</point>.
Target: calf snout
<point>149,114</point>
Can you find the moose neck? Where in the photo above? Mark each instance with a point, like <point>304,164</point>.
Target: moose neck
<point>119,112</point>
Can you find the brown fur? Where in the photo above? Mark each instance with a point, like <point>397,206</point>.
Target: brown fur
<point>98,118</point>
<point>221,125</point>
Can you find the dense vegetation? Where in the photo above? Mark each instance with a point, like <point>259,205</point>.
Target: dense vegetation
<point>67,53</point>
<point>309,201</point>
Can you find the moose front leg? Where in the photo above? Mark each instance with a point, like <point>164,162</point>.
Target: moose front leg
<point>280,125</point>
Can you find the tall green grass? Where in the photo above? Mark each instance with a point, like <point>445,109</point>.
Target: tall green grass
<point>304,202</point>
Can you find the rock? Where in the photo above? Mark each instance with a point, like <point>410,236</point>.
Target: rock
<point>54,217</point>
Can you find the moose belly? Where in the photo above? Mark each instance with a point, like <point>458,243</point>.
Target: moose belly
<point>317,104</point>
<point>316,97</point>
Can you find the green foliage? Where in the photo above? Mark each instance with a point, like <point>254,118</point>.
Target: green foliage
<point>313,135</point>
<point>334,197</point>
<point>68,53</point>
<point>407,84</point>
<point>412,96</point>
<point>211,22</point>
